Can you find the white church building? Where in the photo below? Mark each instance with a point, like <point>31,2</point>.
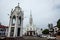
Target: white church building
<point>30,29</point>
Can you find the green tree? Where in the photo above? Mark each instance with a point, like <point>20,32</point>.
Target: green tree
<point>58,23</point>
<point>46,31</point>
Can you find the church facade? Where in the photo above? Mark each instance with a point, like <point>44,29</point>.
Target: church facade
<point>16,22</point>
<point>30,29</point>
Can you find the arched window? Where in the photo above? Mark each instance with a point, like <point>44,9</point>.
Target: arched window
<point>19,20</point>
<point>14,20</point>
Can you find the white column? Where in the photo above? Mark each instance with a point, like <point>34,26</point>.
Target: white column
<point>6,33</point>
<point>9,32</point>
<point>21,28</point>
<point>9,27</point>
<point>15,29</point>
<point>32,34</point>
<point>28,33</point>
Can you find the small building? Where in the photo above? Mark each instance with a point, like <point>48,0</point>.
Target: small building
<point>51,30</point>
<point>3,30</point>
<point>55,29</point>
<point>57,32</point>
<point>39,31</point>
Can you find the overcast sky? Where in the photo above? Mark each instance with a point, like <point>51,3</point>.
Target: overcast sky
<point>43,11</point>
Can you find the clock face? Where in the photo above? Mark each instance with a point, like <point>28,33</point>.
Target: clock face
<point>17,9</point>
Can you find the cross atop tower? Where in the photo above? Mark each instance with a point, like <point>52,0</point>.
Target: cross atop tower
<point>18,4</point>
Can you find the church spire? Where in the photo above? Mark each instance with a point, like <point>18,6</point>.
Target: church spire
<point>31,20</point>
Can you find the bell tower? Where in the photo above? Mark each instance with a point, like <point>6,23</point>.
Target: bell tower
<point>16,22</point>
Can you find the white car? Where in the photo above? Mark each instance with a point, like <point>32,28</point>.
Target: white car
<point>51,37</point>
<point>44,36</point>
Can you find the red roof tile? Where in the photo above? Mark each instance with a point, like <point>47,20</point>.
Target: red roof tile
<point>2,26</point>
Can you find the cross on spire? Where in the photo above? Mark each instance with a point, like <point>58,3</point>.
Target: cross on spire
<point>18,4</point>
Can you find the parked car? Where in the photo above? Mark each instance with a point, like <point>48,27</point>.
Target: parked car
<point>39,36</point>
<point>44,36</point>
<point>49,38</point>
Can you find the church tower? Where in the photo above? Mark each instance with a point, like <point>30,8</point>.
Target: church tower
<point>30,29</point>
<point>16,22</point>
<point>31,20</point>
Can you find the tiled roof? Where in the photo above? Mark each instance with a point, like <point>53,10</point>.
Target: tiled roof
<point>2,26</point>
